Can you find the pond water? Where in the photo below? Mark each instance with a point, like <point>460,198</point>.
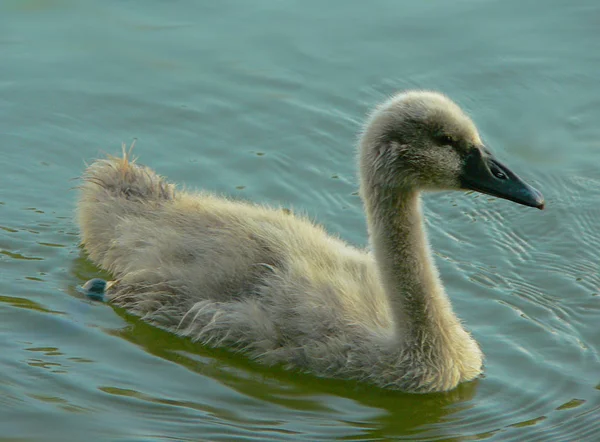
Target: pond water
<point>263,100</point>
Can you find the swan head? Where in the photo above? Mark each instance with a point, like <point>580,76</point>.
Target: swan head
<point>421,140</point>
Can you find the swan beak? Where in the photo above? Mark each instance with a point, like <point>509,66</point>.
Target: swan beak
<point>484,173</point>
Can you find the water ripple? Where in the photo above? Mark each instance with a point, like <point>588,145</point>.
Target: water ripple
<point>262,100</point>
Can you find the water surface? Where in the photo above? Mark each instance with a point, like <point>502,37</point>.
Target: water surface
<point>263,100</point>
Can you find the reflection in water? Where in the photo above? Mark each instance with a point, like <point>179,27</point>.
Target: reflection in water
<point>19,256</point>
<point>25,303</point>
<point>60,403</point>
<point>84,270</point>
<point>398,413</point>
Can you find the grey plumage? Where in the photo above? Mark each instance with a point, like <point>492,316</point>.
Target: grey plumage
<point>277,286</point>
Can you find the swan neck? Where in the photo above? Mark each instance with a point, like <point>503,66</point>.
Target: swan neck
<point>409,276</point>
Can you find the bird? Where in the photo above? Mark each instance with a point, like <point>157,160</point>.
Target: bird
<point>274,285</point>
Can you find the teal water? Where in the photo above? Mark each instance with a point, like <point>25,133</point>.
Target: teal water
<point>263,100</point>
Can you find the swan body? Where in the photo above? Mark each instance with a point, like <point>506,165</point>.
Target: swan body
<point>278,287</point>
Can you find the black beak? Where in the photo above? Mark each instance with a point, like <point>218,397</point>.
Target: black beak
<point>485,174</point>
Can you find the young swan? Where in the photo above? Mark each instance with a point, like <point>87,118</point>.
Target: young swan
<point>261,280</point>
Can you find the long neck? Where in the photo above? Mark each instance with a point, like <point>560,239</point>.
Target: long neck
<point>419,304</point>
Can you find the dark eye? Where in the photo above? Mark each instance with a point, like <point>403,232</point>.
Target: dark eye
<point>445,140</point>
<point>497,171</point>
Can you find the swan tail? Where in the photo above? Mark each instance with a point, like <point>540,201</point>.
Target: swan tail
<point>112,189</point>
<point>121,177</point>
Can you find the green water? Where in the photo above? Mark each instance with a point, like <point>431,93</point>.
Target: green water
<point>263,100</point>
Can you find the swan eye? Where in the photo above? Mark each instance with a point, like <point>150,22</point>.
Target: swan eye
<point>446,140</point>
<point>497,172</point>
